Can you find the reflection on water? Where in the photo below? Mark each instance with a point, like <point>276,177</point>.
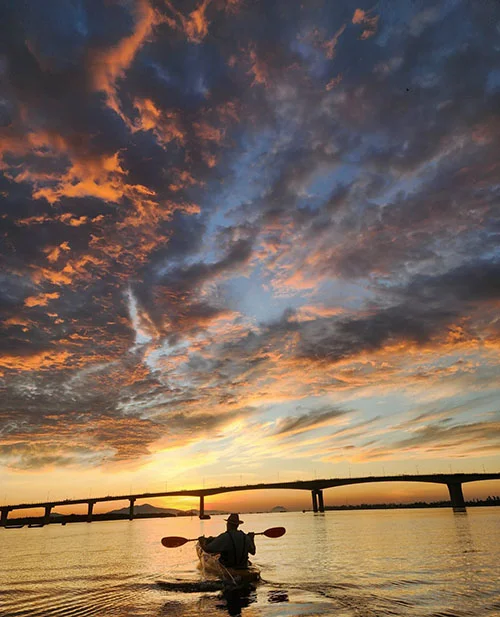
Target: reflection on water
<point>349,564</point>
<point>235,600</point>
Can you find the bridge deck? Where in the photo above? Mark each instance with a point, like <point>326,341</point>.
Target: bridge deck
<point>306,485</point>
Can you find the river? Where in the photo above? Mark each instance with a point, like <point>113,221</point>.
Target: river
<point>426,562</point>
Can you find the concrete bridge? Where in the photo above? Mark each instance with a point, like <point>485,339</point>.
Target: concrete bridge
<point>316,487</point>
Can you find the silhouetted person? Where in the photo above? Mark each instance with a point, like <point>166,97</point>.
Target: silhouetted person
<point>233,545</point>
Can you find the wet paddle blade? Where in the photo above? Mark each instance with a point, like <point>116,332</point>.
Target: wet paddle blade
<point>173,541</point>
<point>275,532</point>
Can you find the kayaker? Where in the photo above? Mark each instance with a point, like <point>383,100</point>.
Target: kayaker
<point>233,545</point>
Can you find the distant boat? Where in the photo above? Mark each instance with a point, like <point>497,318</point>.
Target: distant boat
<point>205,517</point>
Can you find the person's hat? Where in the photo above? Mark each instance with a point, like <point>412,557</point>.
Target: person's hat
<point>234,519</point>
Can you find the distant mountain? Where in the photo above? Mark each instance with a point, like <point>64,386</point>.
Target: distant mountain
<point>147,508</point>
<point>279,509</point>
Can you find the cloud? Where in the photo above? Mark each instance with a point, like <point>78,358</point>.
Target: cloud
<point>464,438</point>
<point>107,66</point>
<point>361,17</point>
<point>294,425</point>
<point>195,25</point>
<point>224,205</point>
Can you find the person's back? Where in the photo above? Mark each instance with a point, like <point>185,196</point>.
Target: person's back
<point>232,545</point>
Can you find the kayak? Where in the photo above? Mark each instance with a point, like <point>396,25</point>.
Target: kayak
<point>210,563</point>
<point>191,586</point>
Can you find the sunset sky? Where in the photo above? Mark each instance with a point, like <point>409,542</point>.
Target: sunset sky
<point>247,241</point>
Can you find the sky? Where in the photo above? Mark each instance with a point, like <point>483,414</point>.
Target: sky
<point>248,241</point>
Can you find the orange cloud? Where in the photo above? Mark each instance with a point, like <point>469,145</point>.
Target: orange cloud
<point>35,362</point>
<point>228,111</point>
<point>104,178</point>
<point>195,26</point>
<point>361,17</point>
<point>333,82</point>
<point>184,179</point>
<point>258,69</point>
<point>101,177</point>
<point>210,159</point>
<point>311,312</point>
<point>33,220</point>
<point>53,254</point>
<point>16,321</point>
<point>329,46</point>
<point>41,300</point>
<point>107,66</point>
<point>74,222</point>
<point>206,132</point>
<point>96,176</point>
<point>53,276</point>
<point>74,268</point>
<point>164,124</point>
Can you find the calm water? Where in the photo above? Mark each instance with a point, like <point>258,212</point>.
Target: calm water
<point>348,564</point>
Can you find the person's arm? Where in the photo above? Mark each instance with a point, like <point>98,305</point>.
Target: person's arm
<point>217,545</point>
<point>251,543</point>
<point>204,540</point>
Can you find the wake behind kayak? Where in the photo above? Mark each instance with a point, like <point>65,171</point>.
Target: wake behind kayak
<point>192,586</point>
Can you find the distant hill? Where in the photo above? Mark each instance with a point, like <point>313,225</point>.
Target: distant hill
<point>279,509</point>
<point>147,508</point>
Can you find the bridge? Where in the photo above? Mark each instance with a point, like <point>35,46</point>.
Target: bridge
<point>453,481</point>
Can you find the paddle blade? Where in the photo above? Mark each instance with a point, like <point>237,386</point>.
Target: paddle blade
<point>275,532</point>
<point>173,541</point>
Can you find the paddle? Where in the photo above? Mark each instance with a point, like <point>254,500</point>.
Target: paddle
<point>175,541</point>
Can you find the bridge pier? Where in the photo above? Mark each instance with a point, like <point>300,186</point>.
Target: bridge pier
<point>202,506</point>
<point>317,500</point>
<point>314,496</point>
<point>46,518</point>
<point>321,503</point>
<point>4,515</point>
<point>131,508</point>
<point>89,511</point>
<point>456,496</point>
